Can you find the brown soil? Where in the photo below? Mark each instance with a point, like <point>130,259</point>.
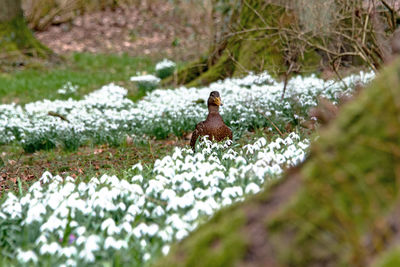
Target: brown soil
<point>160,29</point>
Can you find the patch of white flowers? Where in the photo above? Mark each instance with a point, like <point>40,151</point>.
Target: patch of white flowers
<point>146,78</point>
<point>68,88</point>
<point>139,216</point>
<point>107,115</point>
<point>165,64</point>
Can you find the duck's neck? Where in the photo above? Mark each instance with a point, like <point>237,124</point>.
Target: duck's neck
<point>213,109</point>
<point>213,113</point>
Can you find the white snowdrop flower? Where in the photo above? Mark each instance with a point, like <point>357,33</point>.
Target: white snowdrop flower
<point>126,227</point>
<point>181,234</point>
<point>110,226</point>
<point>82,187</point>
<point>46,177</point>
<point>204,207</point>
<point>252,188</point>
<point>55,200</point>
<point>165,249</point>
<point>240,160</point>
<point>67,189</point>
<point>42,239</point>
<point>69,252</point>
<point>145,78</point>
<point>186,200</point>
<point>80,230</point>
<point>143,243</point>
<point>276,169</point>
<point>275,145</point>
<point>122,206</point>
<point>166,235</point>
<point>71,263</point>
<point>158,211</point>
<point>26,256</point>
<point>35,188</point>
<point>168,194</point>
<point>51,248</point>
<point>302,145</point>
<point>199,193</point>
<point>177,154</point>
<point>186,186</point>
<point>69,179</point>
<point>226,201</point>
<point>152,229</point>
<point>140,230</point>
<point>86,255</point>
<point>165,63</point>
<point>133,210</point>
<point>26,200</point>
<point>59,179</point>
<point>53,223</point>
<point>110,242</point>
<point>146,256</point>
<point>136,189</point>
<point>35,213</point>
<point>154,186</point>
<point>280,159</point>
<point>90,246</point>
<point>94,181</point>
<point>176,222</point>
<point>218,175</point>
<point>231,192</point>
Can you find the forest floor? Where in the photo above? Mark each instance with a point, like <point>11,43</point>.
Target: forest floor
<point>162,29</point>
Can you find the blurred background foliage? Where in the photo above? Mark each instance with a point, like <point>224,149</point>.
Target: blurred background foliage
<point>42,13</point>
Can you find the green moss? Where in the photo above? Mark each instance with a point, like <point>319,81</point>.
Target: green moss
<point>219,243</point>
<point>350,180</point>
<point>390,258</point>
<point>223,68</point>
<point>188,73</point>
<point>18,43</point>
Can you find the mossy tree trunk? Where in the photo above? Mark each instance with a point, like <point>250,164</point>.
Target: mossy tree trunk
<point>17,43</point>
<point>336,209</point>
<point>10,9</point>
<point>249,39</point>
<point>293,37</point>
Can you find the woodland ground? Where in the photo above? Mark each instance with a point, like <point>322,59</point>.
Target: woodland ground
<point>99,48</point>
<point>120,56</point>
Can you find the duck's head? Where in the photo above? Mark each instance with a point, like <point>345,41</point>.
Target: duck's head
<point>214,99</point>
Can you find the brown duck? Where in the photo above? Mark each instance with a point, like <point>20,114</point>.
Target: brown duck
<point>213,126</point>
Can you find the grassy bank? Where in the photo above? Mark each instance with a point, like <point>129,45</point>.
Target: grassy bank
<point>85,70</point>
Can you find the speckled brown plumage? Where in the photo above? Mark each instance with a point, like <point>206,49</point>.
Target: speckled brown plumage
<point>213,126</point>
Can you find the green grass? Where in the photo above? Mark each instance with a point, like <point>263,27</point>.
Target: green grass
<point>88,71</point>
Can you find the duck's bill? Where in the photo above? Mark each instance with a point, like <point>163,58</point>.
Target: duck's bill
<point>218,102</point>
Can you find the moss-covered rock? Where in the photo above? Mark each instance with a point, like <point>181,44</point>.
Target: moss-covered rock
<point>323,212</point>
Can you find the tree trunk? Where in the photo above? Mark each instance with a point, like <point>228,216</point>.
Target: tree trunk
<point>249,39</point>
<point>336,209</point>
<point>18,46</point>
<point>293,37</point>
<point>10,9</point>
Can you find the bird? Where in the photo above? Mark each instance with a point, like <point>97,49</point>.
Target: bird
<point>213,126</point>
